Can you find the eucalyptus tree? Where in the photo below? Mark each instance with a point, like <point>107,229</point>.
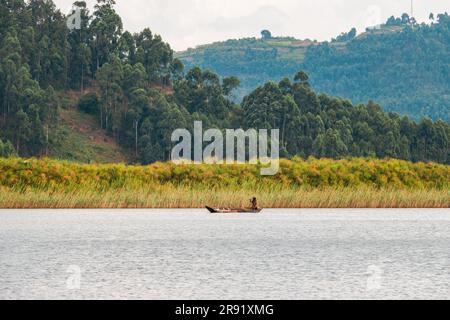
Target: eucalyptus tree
<point>106,31</point>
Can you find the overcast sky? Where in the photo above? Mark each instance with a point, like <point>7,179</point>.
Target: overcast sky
<point>188,23</point>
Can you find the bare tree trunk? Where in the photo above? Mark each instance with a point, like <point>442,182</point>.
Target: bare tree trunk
<point>18,142</point>
<point>82,78</point>
<point>46,143</point>
<point>4,106</point>
<point>101,116</point>
<point>6,111</point>
<point>136,137</point>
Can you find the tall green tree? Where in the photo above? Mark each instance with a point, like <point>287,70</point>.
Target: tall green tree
<point>110,77</point>
<point>80,54</point>
<point>106,31</point>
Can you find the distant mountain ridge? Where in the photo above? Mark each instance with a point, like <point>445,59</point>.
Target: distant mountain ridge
<point>402,65</point>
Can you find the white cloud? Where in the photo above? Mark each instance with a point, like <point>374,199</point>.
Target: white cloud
<point>187,23</point>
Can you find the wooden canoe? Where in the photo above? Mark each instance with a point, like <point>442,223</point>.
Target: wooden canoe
<point>230,210</point>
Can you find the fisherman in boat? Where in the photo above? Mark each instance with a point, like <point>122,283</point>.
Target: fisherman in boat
<point>254,203</point>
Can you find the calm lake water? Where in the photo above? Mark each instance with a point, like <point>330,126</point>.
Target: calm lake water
<point>190,254</point>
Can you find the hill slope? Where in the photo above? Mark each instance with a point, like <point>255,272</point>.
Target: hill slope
<point>81,139</point>
<point>405,69</point>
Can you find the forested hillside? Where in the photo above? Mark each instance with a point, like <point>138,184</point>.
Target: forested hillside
<point>323,126</point>
<point>403,66</point>
<point>133,89</point>
<point>41,58</point>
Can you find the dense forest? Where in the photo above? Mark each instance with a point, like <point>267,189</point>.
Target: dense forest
<point>402,65</point>
<point>139,93</point>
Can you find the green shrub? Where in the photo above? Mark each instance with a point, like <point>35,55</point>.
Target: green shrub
<point>49,174</point>
<point>6,149</point>
<point>89,103</point>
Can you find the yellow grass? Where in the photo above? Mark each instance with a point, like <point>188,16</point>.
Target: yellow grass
<point>173,197</point>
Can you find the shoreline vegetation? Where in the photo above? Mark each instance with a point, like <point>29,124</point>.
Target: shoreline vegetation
<point>312,183</point>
